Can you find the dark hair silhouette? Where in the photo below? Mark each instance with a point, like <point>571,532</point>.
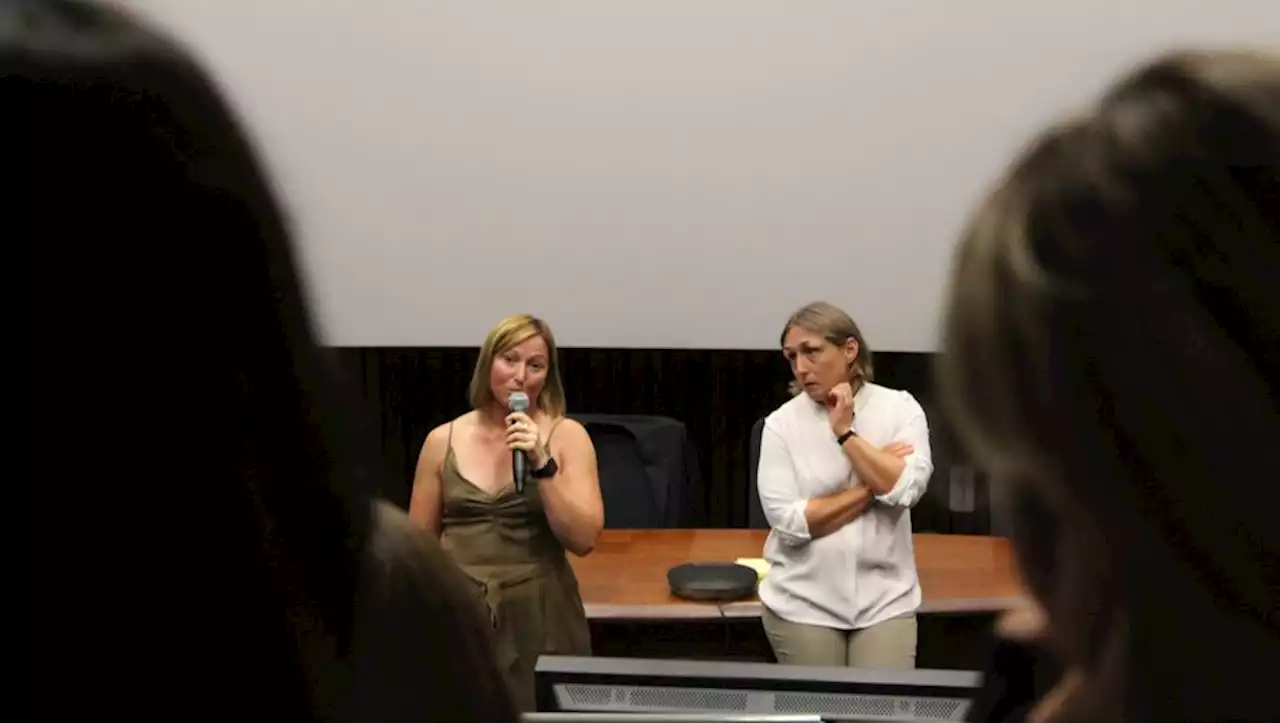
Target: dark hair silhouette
<point>200,456</point>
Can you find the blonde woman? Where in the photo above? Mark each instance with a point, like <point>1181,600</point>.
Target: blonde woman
<point>512,543</point>
<point>841,464</point>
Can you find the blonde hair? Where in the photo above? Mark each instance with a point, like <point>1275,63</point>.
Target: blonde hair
<point>511,332</point>
<point>837,327</point>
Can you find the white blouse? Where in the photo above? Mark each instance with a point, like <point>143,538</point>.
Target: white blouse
<point>865,572</point>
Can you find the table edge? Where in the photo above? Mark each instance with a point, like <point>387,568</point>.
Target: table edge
<point>659,611</point>
<point>753,608</point>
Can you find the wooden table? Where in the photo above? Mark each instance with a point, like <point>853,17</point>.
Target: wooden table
<point>625,578</point>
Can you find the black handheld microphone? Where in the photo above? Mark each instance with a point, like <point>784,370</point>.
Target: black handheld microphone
<point>518,402</point>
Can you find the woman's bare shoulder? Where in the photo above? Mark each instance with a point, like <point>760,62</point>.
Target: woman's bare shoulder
<point>439,436</point>
<point>567,431</point>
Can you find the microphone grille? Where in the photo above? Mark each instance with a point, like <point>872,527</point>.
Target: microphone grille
<point>518,402</point>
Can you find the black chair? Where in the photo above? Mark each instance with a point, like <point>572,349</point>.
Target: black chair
<point>755,511</point>
<point>648,471</point>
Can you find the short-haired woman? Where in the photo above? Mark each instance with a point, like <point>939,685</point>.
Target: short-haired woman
<point>841,464</point>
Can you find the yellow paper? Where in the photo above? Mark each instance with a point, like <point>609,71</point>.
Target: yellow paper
<point>759,564</point>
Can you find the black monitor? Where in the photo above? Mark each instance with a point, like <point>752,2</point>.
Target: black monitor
<point>666,718</point>
<point>639,685</point>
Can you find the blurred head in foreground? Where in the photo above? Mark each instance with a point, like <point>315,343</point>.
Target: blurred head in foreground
<point>1113,359</point>
<point>187,429</point>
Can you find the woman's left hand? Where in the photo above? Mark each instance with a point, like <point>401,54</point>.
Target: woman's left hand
<point>523,434</point>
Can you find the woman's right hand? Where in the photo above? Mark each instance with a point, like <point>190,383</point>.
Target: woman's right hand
<point>840,408</point>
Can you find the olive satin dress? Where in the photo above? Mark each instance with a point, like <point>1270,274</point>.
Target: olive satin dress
<point>503,542</point>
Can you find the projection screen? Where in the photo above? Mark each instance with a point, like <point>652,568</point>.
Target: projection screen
<point>655,173</point>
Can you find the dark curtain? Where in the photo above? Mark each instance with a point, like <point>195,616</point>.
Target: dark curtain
<point>717,394</point>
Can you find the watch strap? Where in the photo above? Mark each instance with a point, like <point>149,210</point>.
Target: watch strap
<point>547,470</point>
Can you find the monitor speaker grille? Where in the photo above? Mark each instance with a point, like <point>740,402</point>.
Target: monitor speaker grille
<point>618,697</point>
<point>940,709</point>
<point>592,696</point>
<point>880,706</point>
<point>657,699</point>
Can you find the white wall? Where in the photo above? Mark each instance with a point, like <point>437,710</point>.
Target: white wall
<point>656,173</point>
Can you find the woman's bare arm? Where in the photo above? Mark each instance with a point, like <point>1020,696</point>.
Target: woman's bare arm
<point>424,502</point>
<point>572,498</point>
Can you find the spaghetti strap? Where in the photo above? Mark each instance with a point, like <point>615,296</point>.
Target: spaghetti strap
<point>449,443</point>
<point>553,429</point>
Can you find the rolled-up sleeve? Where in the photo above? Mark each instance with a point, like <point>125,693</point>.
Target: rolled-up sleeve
<point>779,491</point>
<point>914,480</point>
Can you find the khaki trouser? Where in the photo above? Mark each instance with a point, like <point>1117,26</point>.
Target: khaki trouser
<point>890,644</point>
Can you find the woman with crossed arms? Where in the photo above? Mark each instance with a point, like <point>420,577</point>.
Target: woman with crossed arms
<point>841,464</point>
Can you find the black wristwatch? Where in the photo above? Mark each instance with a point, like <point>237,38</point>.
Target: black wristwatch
<point>547,470</point>
<point>841,439</point>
